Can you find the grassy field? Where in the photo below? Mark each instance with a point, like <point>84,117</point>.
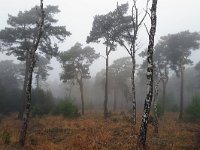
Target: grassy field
<point>92,132</point>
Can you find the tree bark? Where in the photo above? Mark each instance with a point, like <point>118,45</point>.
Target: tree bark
<point>181,95</point>
<point>106,87</point>
<point>28,100</point>
<point>31,57</point>
<point>133,116</point>
<point>37,81</point>
<point>115,100</point>
<point>144,124</point>
<point>164,96</point>
<point>155,102</point>
<point>82,98</point>
<point>23,97</point>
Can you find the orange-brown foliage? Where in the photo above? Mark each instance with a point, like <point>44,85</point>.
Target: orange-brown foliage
<point>92,132</point>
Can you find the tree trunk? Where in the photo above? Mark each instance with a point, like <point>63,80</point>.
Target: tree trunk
<point>133,116</point>
<point>23,97</point>
<point>164,96</point>
<point>155,102</point>
<point>144,124</point>
<point>181,95</point>
<point>82,98</point>
<point>31,57</point>
<point>70,91</point>
<point>106,87</point>
<point>115,100</point>
<point>28,99</point>
<point>37,80</point>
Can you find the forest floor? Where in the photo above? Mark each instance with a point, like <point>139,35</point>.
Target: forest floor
<point>92,132</point>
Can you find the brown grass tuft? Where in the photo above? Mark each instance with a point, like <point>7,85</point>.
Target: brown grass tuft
<point>92,132</point>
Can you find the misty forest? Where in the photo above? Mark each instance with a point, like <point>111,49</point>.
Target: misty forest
<point>99,75</point>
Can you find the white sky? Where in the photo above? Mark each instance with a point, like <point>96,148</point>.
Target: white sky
<point>77,15</point>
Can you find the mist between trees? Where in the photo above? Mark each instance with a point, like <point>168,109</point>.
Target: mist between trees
<point>167,76</point>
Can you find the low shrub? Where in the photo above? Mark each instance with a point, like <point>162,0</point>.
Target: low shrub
<point>193,110</point>
<point>67,108</point>
<point>160,112</point>
<point>6,137</point>
<point>43,102</point>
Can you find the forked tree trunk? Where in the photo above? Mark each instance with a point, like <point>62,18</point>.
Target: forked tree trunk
<point>147,105</point>
<point>135,26</point>
<point>31,57</point>
<point>181,95</point>
<point>106,87</point>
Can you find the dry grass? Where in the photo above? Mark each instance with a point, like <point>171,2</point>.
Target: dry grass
<point>92,132</point>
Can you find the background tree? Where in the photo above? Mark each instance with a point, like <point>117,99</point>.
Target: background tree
<point>18,37</point>
<point>128,40</point>
<point>162,66</point>
<point>75,63</point>
<point>120,71</point>
<point>10,83</point>
<point>197,68</point>
<point>107,27</point>
<point>147,105</point>
<point>177,51</point>
<point>41,70</point>
<point>10,73</point>
<point>43,102</point>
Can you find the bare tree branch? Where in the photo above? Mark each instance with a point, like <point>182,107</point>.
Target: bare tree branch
<point>146,29</point>
<point>146,12</point>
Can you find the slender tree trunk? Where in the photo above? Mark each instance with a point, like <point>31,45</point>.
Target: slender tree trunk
<point>70,91</point>
<point>115,100</point>
<point>155,102</point>
<point>181,95</point>
<point>37,81</point>
<point>106,87</point>
<point>28,99</point>
<point>31,57</point>
<point>144,124</point>
<point>23,97</point>
<point>133,116</point>
<point>82,98</point>
<point>164,96</point>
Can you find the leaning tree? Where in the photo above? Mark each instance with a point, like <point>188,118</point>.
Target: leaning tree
<point>75,63</point>
<point>161,68</point>
<point>107,27</point>
<point>150,67</point>
<point>177,50</point>
<point>31,58</point>
<point>18,38</point>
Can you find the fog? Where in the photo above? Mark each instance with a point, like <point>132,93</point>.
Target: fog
<point>77,16</point>
<point>94,94</point>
